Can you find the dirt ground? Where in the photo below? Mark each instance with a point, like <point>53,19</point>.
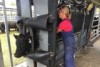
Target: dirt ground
<point>89,57</point>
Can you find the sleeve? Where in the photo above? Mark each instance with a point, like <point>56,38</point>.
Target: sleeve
<point>62,26</point>
<point>65,26</point>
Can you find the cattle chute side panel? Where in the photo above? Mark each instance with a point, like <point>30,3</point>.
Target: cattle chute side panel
<point>89,18</point>
<point>77,21</point>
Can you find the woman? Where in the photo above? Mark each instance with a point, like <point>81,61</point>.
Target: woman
<point>66,29</point>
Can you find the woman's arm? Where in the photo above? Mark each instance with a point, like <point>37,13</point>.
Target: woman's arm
<point>59,30</point>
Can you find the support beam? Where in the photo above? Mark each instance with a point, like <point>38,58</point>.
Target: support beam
<point>7,34</point>
<point>1,57</point>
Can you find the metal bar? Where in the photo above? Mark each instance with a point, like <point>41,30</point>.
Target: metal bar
<point>94,38</point>
<point>93,16</point>
<point>99,22</point>
<point>7,34</point>
<point>1,57</point>
<point>94,26</point>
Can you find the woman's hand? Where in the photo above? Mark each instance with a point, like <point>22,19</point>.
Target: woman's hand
<point>59,30</point>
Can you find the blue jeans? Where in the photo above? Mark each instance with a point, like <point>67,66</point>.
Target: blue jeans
<point>69,46</point>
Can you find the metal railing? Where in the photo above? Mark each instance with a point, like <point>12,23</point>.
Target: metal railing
<point>1,57</point>
<point>95,32</point>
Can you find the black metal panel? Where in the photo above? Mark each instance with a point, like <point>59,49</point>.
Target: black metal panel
<point>31,2</point>
<point>89,18</point>
<point>88,26</point>
<point>39,22</point>
<point>40,56</point>
<point>77,21</point>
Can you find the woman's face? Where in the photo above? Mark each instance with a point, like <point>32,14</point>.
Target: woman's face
<point>60,14</point>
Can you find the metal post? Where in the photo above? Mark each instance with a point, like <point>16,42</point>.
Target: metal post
<point>7,34</point>
<point>98,25</point>
<point>1,57</point>
<point>84,16</point>
<point>99,21</point>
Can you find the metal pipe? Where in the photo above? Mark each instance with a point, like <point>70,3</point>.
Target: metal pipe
<point>99,22</point>
<point>7,34</point>
<point>1,57</point>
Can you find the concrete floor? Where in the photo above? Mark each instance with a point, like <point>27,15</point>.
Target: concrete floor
<point>90,57</point>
